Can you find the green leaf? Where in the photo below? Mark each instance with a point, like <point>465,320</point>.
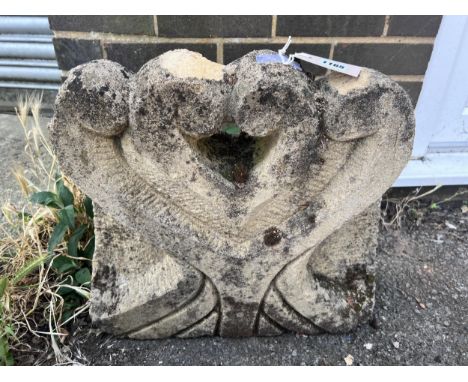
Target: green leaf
<point>83,276</point>
<point>88,204</point>
<point>67,216</point>
<point>63,264</point>
<point>28,268</point>
<point>75,239</point>
<point>3,285</point>
<point>64,290</point>
<point>231,129</point>
<point>81,292</point>
<point>6,358</point>
<point>66,315</point>
<point>64,193</point>
<point>71,302</point>
<point>9,330</point>
<point>10,361</point>
<point>46,198</point>
<point>88,251</point>
<point>57,236</point>
<point>24,216</point>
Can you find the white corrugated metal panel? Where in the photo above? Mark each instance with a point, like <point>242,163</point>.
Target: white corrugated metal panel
<point>26,38</point>
<point>28,85</point>
<point>27,53</point>
<point>31,63</point>
<point>29,73</point>
<point>24,25</point>
<point>36,50</point>
<point>27,61</point>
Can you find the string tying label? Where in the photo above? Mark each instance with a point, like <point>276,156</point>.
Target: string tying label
<point>337,66</point>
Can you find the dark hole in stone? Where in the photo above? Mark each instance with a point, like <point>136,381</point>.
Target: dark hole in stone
<point>272,236</point>
<point>311,219</point>
<point>233,153</point>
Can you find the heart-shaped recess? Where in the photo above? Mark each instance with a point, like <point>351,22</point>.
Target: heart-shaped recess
<point>232,153</point>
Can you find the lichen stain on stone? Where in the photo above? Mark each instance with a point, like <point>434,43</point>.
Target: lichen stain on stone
<point>105,281</point>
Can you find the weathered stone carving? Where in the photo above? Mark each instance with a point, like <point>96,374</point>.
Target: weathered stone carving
<point>200,232</point>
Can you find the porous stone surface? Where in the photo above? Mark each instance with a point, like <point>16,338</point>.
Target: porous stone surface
<point>204,232</point>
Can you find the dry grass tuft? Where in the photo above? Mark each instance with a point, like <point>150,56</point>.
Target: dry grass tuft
<point>395,211</point>
<point>43,287</point>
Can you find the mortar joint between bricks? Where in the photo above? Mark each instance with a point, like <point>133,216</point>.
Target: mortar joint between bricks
<point>155,24</point>
<point>330,54</point>
<point>386,25</point>
<point>220,52</point>
<point>103,49</point>
<point>118,38</point>
<point>407,77</point>
<point>274,20</point>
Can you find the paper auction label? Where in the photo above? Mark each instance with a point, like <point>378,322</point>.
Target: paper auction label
<point>337,66</point>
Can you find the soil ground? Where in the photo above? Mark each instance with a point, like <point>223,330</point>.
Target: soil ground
<point>421,312</point>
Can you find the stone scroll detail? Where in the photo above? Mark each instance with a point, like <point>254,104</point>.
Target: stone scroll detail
<point>231,200</point>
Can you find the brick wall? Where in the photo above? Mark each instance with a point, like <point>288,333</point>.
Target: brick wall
<point>399,46</point>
